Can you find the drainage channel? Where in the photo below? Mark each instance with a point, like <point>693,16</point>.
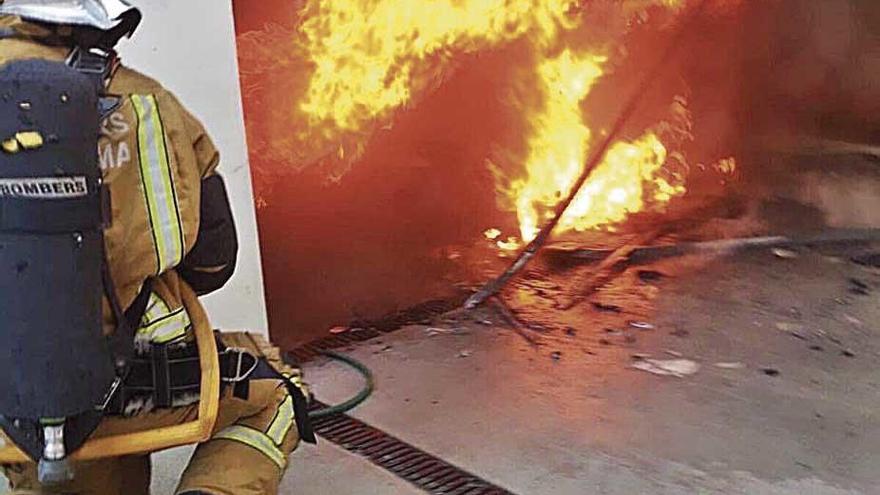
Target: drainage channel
<point>421,313</point>
<point>427,472</point>
<point>423,470</point>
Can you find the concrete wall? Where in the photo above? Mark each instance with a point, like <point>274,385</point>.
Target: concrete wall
<point>190,47</point>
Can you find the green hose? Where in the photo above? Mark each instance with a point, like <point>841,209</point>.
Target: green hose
<point>355,401</point>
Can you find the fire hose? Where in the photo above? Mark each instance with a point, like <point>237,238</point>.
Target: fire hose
<point>357,399</point>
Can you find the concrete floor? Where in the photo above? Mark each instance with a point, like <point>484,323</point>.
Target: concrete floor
<point>321,469</point>
<point>571,416</point>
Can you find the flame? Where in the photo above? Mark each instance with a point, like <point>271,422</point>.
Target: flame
<point>559,145</point>
<point>371,57</point>
<point>492,234</point>
<point>559,141</point>
<point>622,184</point>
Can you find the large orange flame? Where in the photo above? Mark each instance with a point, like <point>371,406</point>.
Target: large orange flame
<point>372,57</point>
<point>558,147</point>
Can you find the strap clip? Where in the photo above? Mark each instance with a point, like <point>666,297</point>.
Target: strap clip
<point>111,394</point>
<point>97,63</point>
<point>241,369</point>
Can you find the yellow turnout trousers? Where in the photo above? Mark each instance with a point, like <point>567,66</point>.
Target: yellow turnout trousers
<point>246,456</point>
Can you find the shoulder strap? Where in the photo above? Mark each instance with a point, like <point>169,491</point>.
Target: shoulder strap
<point>127,319</point>
<point>97,63</point>
<point>100,66</point>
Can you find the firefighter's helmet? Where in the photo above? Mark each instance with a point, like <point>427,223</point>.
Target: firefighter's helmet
<point>105,15</point>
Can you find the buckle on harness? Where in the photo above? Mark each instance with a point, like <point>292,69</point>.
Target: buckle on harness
<point>111,394</point>
<point>238,373</point>
<point>92,61</point>
<point>96,63</point>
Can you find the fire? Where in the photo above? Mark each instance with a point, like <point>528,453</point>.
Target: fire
<point>558,148</point>
<point>559,141</point>
<point>371,57</point>
<point>622,185</point>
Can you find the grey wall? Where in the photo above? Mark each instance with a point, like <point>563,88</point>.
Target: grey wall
<point>190,47</point>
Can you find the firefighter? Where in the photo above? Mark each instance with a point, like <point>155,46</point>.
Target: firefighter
<point>168,237</point>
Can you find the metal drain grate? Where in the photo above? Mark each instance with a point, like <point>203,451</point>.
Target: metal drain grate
<point>425,471</point>
<point>431,474</point>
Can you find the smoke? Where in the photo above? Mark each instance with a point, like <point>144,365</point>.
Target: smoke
<point>813,74</point>
<point>813,67</point>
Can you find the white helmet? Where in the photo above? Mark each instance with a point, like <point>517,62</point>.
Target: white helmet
<point>105,15</point>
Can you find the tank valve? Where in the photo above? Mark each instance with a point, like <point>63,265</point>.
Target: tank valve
<point>54,468</point>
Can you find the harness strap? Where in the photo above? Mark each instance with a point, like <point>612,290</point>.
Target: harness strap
<point>127,321</point>
<point>300,402</point>
<point>161,376</point>
<point>264,370</point>
<point>172,370</point>
<point>98,64</point>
